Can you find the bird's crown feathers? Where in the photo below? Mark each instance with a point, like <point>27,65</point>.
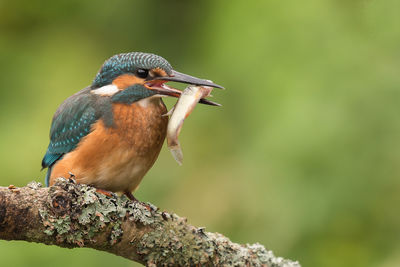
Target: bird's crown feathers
<point>128,63</point>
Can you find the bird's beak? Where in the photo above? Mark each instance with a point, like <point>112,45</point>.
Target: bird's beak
<point>158,84</point>
<point>184,78</point>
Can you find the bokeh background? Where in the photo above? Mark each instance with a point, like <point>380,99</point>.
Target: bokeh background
<point>304,155</point>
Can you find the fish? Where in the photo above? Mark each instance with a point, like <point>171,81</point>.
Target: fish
<point>182,109</point>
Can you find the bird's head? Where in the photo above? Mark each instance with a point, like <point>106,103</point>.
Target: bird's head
<point>130,77</point>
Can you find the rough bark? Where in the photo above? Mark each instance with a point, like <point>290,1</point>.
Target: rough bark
<point>72,215</point>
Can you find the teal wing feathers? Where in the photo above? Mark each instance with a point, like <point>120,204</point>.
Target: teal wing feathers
<point>71,122</point>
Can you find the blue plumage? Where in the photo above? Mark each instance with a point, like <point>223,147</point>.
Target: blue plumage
<point>128,62</point>
<point>132,94</point>
<point>71,122</point>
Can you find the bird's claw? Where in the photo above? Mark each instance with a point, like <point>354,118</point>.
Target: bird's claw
<point>105,192</point>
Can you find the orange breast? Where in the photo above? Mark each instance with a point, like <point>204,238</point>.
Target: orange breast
<point>117,158</point>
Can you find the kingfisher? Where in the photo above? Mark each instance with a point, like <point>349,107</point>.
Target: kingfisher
<point>109,134</point>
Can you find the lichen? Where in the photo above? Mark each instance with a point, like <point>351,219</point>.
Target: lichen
<point>34,185</point>
<point>173,242</point>
<point>90,212</point>
<point>76,214</point>
<point>269,257</point>
<point>139,213</point>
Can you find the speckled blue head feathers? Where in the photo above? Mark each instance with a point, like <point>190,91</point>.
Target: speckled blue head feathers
<point>128,63</point>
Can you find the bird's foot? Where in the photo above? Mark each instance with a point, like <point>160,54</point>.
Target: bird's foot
<point>134,199</point>
<point>105,192</point>
<point>130,196</point>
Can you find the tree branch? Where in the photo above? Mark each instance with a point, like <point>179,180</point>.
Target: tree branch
<point>72,215</point>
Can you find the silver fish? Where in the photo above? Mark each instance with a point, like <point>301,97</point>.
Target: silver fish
<point>185,105</point>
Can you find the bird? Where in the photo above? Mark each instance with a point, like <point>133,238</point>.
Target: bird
<point>109,134</point>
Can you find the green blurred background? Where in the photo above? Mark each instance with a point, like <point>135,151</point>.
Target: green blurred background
<point>304,155</point>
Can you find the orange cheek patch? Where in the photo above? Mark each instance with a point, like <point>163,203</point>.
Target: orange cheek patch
<point>159,72</point>
<point>125,80</point>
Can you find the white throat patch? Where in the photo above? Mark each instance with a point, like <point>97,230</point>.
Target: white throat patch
<point>106,90</point>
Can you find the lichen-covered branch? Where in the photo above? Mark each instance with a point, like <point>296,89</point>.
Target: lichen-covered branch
<point>72,215</point>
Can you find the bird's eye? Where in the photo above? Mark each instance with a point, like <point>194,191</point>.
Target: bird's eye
<point>142,73</point>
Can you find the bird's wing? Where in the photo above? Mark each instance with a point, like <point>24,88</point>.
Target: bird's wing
<point>71,122</point>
